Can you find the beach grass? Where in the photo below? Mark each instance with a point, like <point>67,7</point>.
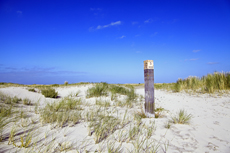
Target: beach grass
<point>110,128</point>
<point>49,92</point>
<point>182,117</point>
<point>206,84</point>
<point>67,111</point>
<point>100,89</point>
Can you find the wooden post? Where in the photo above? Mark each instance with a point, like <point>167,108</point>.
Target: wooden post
<point>149,88</point>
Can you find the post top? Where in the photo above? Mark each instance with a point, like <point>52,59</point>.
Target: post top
<point>148,64</point>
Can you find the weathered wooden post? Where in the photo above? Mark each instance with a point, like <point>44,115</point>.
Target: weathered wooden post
<point>149,88</point>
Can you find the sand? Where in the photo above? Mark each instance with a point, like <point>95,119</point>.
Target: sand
<point>208,131</point>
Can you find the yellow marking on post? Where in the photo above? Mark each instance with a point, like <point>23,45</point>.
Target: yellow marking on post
<point>148,64</point>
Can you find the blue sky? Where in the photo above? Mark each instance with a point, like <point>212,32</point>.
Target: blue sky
<point>47,42</point>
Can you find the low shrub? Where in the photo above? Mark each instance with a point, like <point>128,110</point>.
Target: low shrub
<point>49,92</point>
<point>66,83</point>
<point>32,90</point>
<point>54,85</point>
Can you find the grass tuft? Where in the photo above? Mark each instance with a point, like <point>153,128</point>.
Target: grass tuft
<point>159,112</point>
<point>67,111</point>
<point>168,125</point>
<point>49,92</point>
<point>208,83</point>
<point>181,118</point>
<point>98,91</point>
<point>139,115</point>
<point>32,90</point>
<point>26,101</point>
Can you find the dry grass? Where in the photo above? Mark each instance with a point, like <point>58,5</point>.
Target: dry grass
<point>181,118</point>
<point>209,83</point>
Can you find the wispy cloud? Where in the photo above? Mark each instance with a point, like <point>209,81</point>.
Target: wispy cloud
<point>19,12</point>
<point>195,51</point>
<point>133,44</point>
<point>95,9</point>
<point>149,20</point>
<point>122,37</point>
<point>192,59</point>
<point>108,25</point>
<point>172,21</point>
<point>39,71</point>
<point>133,23</point>
<point>212,63</point>
<point>155,33</point>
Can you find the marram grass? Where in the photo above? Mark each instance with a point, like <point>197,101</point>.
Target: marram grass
<point>181,118</point>
<point>208,83</point>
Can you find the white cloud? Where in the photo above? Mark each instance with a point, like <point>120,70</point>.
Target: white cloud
<point>99,27</point>
<point>194,59</point>
<point>115,23</point>
<point>133,44</point>
<point>148,21</point>
<point>155,33</point>
<point>195,51</point>
<point>122,37</point>
<point>19,12</point>
<point>212,63</point>
<point>133,23</point>
<point>108,25</point>
<point>95,9</point>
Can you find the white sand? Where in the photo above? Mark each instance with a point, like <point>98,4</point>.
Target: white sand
<point>208,131</point>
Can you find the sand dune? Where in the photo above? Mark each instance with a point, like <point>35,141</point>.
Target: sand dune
<point>208,131</point>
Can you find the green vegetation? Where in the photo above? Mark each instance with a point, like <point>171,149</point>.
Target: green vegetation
<point>102,103</point>
<point>102,89</point>
<point>208,83</point>
<point>139,115</point>
<point>5,84</point>
<point>66,83</point>
<point>168,125</point>
<point>49,92</point>
<point>167,86</point>
<point>97,91</point>
<point>67,111</point>
<point>181,118</point>
<point>101,124</point>
<point>32,90</point>
<point>111,148</point>
<point>105,123</point>
<point>26,101</point>
<point>114,89</point>
<point>16,99</point>
<point>159,112</point>
<point>9,114</point>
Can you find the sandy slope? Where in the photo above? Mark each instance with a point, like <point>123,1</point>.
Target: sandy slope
<point>209,130</point>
